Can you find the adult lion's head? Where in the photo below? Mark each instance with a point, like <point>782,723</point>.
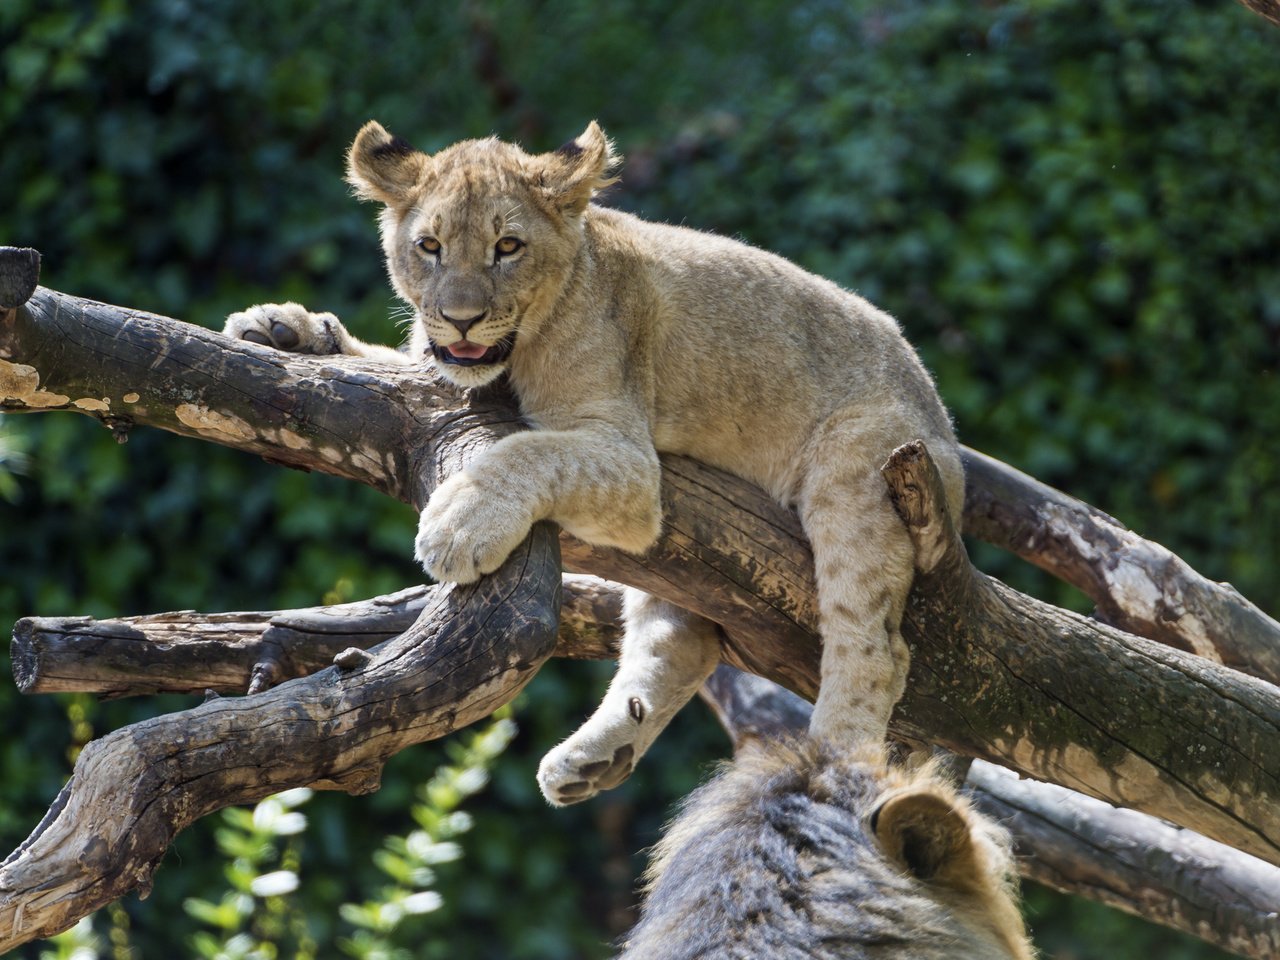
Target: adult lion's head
<point>480,237</point>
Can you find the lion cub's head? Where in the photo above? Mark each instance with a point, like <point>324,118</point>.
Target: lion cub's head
<point>480,237</point>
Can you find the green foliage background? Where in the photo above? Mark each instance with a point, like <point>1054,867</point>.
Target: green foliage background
<point>1071,207</point>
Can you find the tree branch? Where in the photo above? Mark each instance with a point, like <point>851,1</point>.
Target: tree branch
<point>996,674</point>
<point>1066,841</point>
<point>1139,586</point>
<point>1268,9</point>
<point>1070,701</point>
<point>134,790</point>
<point>187,652</point>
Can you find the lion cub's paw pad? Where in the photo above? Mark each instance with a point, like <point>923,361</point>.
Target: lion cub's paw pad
<point>567,782</point>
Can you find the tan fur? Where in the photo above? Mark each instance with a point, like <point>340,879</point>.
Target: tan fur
<point>623,338</point>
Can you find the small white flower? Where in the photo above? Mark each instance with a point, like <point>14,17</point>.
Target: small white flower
<point>295,797</point>
<point>472,780</point>
<point>423,902</point>
<point>421,846</point>
<point>275,884</point>
<point>287,824</point>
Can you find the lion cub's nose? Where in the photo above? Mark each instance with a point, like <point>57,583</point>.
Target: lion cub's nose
<point>463,318</point>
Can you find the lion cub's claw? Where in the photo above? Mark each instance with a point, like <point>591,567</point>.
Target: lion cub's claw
<point>566,777</point>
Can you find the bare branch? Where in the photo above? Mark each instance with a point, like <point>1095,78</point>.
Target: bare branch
<point>1070,701</point>
<point>134,790</point>
<point>188,652</point>
<point>1268,9</point>
<point>1135,863</point>
<point>1139,586</point>
<point>996,674</point>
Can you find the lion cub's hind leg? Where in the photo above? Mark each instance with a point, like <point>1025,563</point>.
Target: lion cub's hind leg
<point>864,563</point>
<point>666,655</point>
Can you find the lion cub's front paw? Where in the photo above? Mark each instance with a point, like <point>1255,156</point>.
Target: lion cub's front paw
<point>287,326</point>
<point>467,531</point>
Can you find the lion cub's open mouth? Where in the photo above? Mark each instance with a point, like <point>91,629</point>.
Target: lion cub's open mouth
<point>464,353</point>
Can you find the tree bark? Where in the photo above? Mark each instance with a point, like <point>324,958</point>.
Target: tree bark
<point>996,674</point>
<point>1066,841</point>
<point>135,789</point>
<point>1135,863</point>
<point>1269,9</point>
<point>1139,586</point>
<point>229,653</point>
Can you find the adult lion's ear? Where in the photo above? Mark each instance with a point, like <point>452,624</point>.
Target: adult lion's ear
<point>927,835</point>
<point>382,167</point>
<point>573,174</point>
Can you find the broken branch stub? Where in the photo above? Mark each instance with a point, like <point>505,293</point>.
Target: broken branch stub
<point>19,275</point>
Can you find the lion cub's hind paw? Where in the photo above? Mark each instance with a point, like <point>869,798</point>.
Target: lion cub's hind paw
<point>287,326</point>
<point>572,775</point>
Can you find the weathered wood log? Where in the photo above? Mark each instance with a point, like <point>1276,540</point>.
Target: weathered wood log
<point>1135,863</point>
<point>1073,843</point>
<point>1066,841</point>
<point>469,651</point>
<point>353,418</point>
<point>135,789</point>
<point>1057,718</point>
<point>1139,586</point>
<point>730,553</point>
<point>187,652</point>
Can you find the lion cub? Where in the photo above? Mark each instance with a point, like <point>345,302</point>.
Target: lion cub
<point>623,338</point>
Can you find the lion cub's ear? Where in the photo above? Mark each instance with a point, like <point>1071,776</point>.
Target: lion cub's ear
<point>382,167</point>
<point>926,834</point>
<point>571,175</point>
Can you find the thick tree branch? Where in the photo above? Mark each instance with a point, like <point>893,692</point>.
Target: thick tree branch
<point>470,650</point>
<point>134,790</point>
<point>756,552</point>
<point>187,652</point>
<point>1139,586</point>
<point>1270,9</point>
<point>1135,863</point>
<point>996,674</point>
<point>1072,843</point>
<point>1070,701</point>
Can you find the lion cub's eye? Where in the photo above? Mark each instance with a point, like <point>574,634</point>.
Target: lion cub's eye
<point>429,245</point>
<point>507,246</point>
